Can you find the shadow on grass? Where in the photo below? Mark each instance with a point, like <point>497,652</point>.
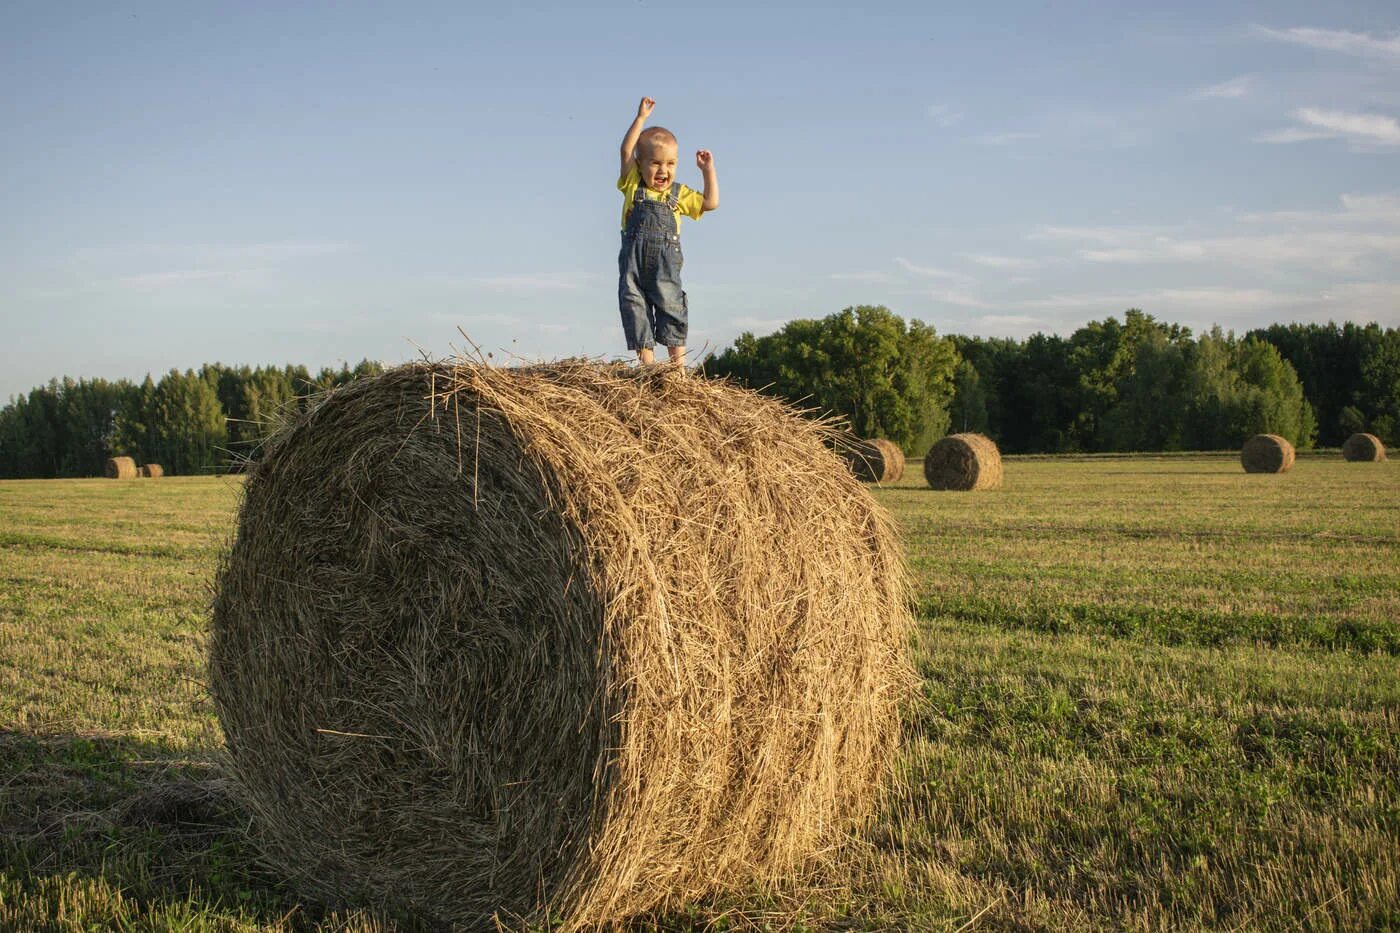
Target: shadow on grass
<point>124,832</point>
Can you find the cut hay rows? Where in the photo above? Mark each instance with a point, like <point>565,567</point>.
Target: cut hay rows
<point>153,470</point>
<point>872,461</point>
<point>120,468</point>
<point>963,462</point>
<point>562,641</point>
<point>1363,448</point>
<point>1267,453</point>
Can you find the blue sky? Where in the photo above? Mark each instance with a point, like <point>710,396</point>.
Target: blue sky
<point>313,183</point>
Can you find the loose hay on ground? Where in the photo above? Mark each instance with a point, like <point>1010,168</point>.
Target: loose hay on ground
<point>120,468</point>
<point>591,641</point>
<point>963,462</point>
<point>1363,448</point>
<point>1267,453</point>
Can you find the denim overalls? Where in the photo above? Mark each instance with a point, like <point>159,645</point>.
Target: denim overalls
<point>649,274</point>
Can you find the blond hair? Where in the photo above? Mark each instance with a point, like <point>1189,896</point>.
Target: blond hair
<point>652,135</point>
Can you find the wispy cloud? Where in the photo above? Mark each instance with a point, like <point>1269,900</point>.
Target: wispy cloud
<point>1336,40</point>
<point>874,278</point>
<point>1233,89</point>
<point>1004,139</point>
<point>1001,262</point>
<point>532,282</point>
<point>213,253</point>
<point>1359,128</point>
<point>1356,210</point>
<point>759,326</point>
<point>944,115</point>
<point>961,297</point>
<point>928,272</point>
<point>148,281</point>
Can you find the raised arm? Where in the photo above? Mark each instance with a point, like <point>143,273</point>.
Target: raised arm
<point>706,161</point>
<point>629,142</point>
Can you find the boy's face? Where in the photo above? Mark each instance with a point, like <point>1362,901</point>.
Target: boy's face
<point>657,163</point>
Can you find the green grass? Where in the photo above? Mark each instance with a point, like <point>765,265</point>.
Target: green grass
<point>1158,693</point>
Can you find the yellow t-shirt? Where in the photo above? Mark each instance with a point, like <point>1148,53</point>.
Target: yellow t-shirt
<point>689,202</point>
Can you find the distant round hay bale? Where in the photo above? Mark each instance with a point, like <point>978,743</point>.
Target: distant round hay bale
<point>872,461</point>
<point>562,640</point>
<point>120,468</point>
<point>963,461</point>
<point>1363,448</point>
<point>1267,453</point>
<point>153,470</point>
<point>894,459</point>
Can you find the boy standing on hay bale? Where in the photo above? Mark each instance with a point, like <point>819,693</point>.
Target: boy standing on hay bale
<point>649,290</point>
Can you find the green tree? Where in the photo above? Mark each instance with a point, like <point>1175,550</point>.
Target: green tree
<point>969,407</point>
<point>886,377</point>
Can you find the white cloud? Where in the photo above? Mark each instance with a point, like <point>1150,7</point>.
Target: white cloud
<point>1335,249</point>
<point>1361,129</point>
<point>1293,135</point>
<point>1335,40</point>
<point>1232,89</point>
<point>1370,127</point>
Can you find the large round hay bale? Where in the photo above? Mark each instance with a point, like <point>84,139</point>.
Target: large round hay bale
<point>1267,453</point>
<point>1363,448</point>
<point>872,461</point>
<point>120,468</point>
<point>963,461</point>
<point>153,470</point>
<point>562,640</point>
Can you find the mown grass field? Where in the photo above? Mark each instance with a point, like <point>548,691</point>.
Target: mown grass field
<point>1159,693</point>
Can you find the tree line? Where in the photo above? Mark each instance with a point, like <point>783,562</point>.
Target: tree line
<point>1136,384</point>
<point>197,421</point>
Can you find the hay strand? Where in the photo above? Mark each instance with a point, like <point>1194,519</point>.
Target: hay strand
<point>963,462</point>
<point>1363,448</point>
<point>120,468</point>
<point>1267,453</point>
<point>643,640</point>
<point>152,470</point>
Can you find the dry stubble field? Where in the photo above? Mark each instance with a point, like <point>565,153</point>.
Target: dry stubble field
<point>1159,693</point>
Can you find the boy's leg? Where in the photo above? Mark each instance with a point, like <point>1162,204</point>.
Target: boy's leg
<point>632,304</point>
<point>670,309</point>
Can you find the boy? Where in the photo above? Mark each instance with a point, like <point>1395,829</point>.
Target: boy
<point>649,290</point>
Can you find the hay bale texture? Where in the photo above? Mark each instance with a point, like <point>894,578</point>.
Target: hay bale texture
<point>565,640</point>
<point>963,462</point>
<point>120,468</point>
<point>1363,448</point>
<point>153,470</point>
<point>1267,453</point>
<point>872,461</point>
